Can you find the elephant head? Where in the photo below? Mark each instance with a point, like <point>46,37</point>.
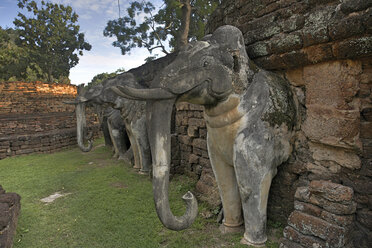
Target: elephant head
<point>85,97</point>
<point>205,72</point>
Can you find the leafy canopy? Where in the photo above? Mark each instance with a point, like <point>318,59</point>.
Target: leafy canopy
<point>51,36</point>
<point>15,64</point>
<point>99,78</point>
<point>140,27</point>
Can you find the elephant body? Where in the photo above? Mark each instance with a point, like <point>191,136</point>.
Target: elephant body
<point>123,121</point>
<point>250,116</point>
<point>248,137</point>
<point>117,132</point>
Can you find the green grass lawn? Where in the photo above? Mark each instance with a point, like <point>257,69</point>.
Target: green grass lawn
<point>108,204</point>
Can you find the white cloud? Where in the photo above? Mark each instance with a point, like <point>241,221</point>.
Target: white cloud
<point>92,64</point>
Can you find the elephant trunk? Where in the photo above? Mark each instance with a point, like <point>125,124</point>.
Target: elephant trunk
<point>159,116</point>
<point>81,128</point>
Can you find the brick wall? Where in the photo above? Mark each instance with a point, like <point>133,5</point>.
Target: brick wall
<point>10,206</point>
<point>192,151</point>
<point>33,118</point>
<point>324,49</point>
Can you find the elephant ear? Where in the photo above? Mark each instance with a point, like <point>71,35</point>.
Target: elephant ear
<point>126,78</point>
<point>94,91</point>
<point>231,39</point>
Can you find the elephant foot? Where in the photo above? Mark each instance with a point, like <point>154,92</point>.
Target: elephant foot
<point>141,172</point>
<point>245,241</point>
<point>121,157</point>
<point>127,161</point>
<point>231,229</point>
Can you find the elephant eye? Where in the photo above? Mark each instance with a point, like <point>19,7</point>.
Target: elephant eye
<point>206,61</point>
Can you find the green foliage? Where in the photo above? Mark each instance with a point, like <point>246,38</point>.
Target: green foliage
<point>158,30</point>
<point>51,37</point>
<point>15,60</point>
<point>99,78</point>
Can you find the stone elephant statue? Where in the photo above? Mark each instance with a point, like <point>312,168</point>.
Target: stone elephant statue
<point>250,114</point>
<point>125,119</point>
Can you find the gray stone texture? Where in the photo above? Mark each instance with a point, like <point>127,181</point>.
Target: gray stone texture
<point>324,50</point>
<point>10,207</point>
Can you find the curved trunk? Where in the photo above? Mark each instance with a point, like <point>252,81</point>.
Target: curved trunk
<point>81,127</point>
<point>159,119</point>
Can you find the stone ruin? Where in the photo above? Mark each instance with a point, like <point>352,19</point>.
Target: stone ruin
<point>33,118</point>
<point>324,48</point>
<point>10,206</point>
<point>323,193</point>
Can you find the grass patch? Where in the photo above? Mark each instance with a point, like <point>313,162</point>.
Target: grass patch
<point>108,204</point>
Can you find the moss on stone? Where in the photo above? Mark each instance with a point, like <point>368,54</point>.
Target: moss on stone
<point>281,109</point>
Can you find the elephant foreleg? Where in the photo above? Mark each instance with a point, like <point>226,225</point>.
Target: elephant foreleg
<point>134,146</point>
<point>112,133</point>
<point>255,165</point>
<point>144,153</point>
<point>229,192</point>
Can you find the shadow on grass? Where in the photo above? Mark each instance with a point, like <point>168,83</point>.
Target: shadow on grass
<point>108,204</point>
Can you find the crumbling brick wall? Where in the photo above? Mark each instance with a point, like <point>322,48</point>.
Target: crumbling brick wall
<point>324,49</point>
<point>10,206</point>
<point>33,118</point>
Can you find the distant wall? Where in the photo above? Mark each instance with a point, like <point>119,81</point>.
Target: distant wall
<point>33,117</point>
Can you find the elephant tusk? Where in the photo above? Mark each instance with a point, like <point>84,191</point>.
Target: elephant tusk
<point>142,94</point>
<point>71,102</point>
<point>79,99</point>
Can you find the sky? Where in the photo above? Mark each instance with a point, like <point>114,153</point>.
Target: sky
<point>93,17</point>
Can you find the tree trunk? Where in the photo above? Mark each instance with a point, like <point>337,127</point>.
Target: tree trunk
<point>185,24</point>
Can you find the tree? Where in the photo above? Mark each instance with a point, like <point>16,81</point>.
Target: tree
<point>52,37</point>
<point>99,78</point>
<point>15,60</point>
<point>177,22</point>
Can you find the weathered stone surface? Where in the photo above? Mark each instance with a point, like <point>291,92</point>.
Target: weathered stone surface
<point>9,211</point>
<point>295,77</point>
<point>347,27</point>
<point>364,216</point>
<point>332,191</point>
<point>305,240</point>
<point>348,6</point>
<point>366,130</point>
<point>334,235</point>
<point>320,171</point>
<point>193,159</point>
<point>340,220</point>
<point>342,157</point>
<point>353,47</point>
<point>360,184</point>
<point>307,208</point>
<point>318,53</point>
<point>207,189</point>
<point>333,207</point>
<point>200,143</point>
<point>184,139</point>
<point>285,43</point>
<point>303,194</point>
<point>337,93</point>
<point>285,243</point>
<point>332,84</point>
